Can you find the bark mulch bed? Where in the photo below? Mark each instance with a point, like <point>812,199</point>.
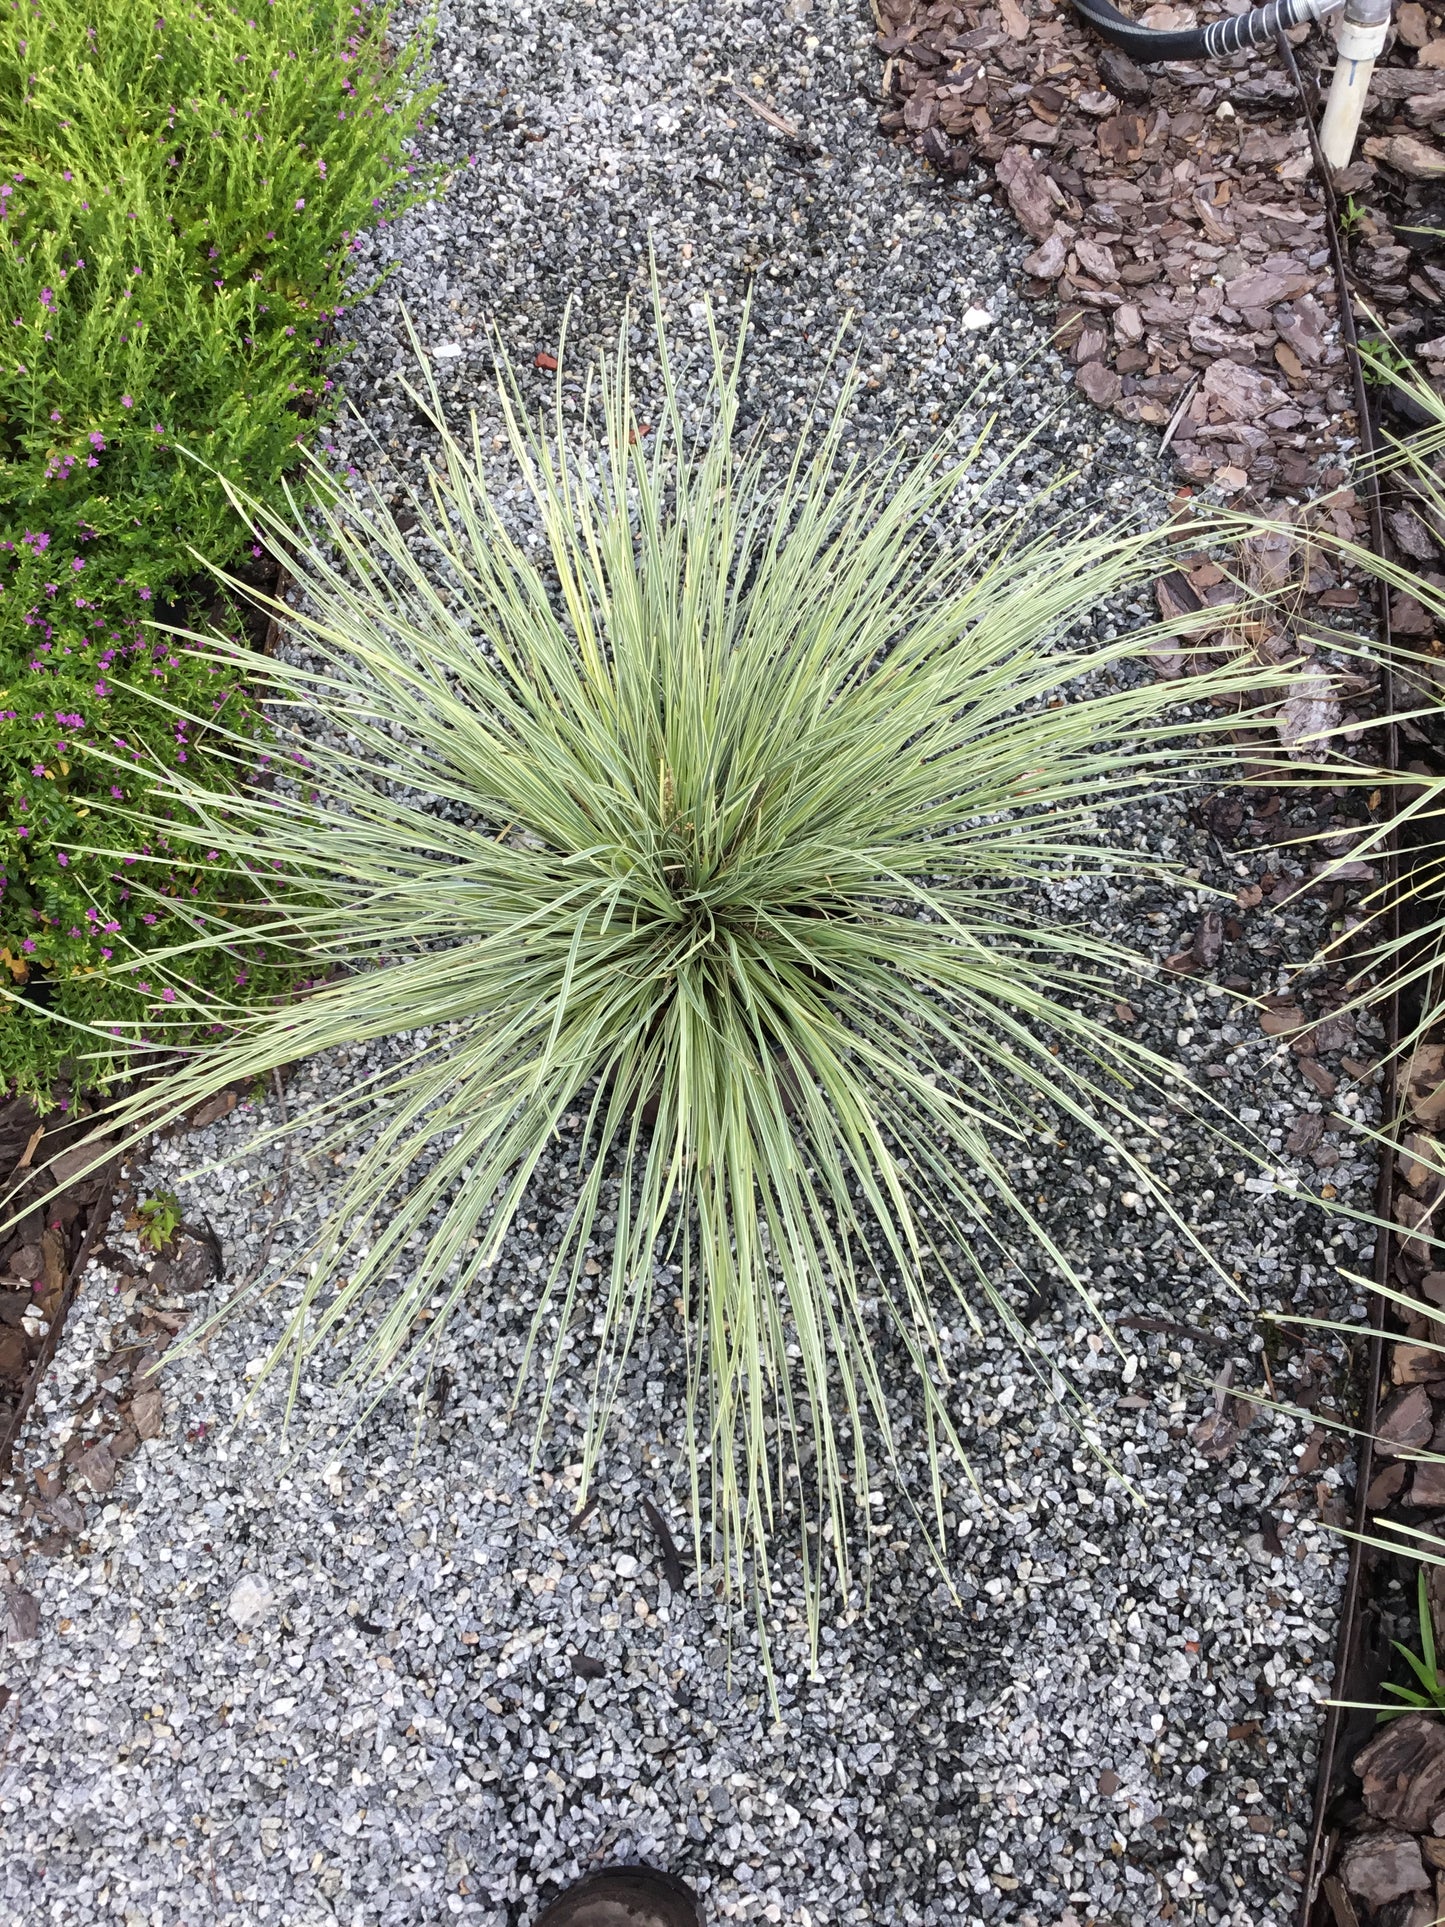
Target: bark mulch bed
<point>1381,1820</point>
<point>37,1252</point>
<point>1381,1825</point>
<point>43,1255</point>
<point>1178,227</point>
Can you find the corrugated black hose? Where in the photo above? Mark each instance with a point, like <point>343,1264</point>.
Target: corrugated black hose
<point>1232,35</point>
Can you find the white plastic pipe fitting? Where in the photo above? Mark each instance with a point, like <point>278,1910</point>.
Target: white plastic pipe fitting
<point>1359,42</point>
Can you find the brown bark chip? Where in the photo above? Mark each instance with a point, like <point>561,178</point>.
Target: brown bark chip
<point>1403,1772</point>
<point>1382,1867</point>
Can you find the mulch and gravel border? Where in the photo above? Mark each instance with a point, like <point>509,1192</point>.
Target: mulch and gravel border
<point>1178,227</point>
<point>43,1250</point>
<point>1194,253</point>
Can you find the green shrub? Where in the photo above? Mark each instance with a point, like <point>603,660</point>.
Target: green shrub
<point>67,912</point>
<point>179,199</point>
<point>699,857</point>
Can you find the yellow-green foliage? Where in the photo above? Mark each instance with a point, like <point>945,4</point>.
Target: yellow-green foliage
<point>180,194</point>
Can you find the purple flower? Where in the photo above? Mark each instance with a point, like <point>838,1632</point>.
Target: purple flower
<point>77,562</point>
<point>28,945</point>
<point>127,402</point>
<point>47,300</point>
<point>63,860</point>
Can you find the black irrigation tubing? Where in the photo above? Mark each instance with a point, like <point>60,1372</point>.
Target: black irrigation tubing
<point>1347,1645</point>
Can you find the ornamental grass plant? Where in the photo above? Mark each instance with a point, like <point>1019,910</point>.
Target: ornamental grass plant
<point>180,197</point>
<point>701,820</point>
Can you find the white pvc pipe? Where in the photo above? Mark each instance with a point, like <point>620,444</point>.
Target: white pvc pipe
<point>1359,44</point>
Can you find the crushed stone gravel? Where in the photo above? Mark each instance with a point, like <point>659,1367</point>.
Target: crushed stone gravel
<point>384,1676</point>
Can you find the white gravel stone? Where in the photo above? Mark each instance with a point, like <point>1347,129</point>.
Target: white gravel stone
<point>250,1602</point>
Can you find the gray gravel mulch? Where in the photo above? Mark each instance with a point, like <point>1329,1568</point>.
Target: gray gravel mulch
<point>386,1676</point>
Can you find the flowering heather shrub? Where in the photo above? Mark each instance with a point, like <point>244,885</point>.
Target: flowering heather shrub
<point>180,195</point>
<point>68,908</point>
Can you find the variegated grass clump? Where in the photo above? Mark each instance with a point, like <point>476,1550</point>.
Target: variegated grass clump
<point>719,817</point>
